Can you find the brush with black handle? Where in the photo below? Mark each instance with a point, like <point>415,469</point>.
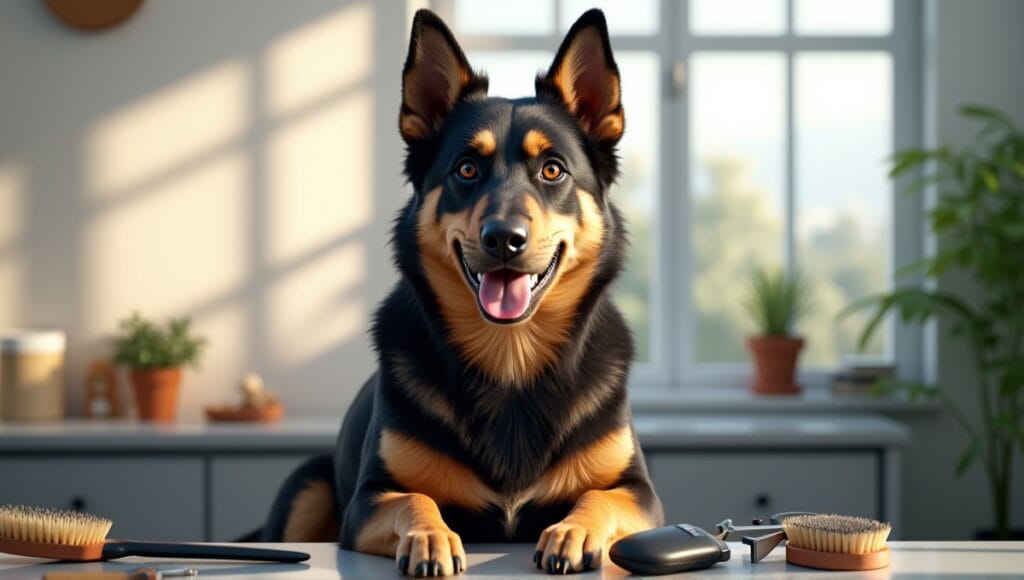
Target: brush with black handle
<point>79,537</point>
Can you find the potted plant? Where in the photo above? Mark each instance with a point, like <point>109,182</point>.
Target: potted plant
<point>978,217</point>
<point>776,300</point>
<point>155,356</point>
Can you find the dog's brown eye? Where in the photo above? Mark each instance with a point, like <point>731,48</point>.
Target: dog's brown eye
<point>467,170</point>
<point>551,171</point>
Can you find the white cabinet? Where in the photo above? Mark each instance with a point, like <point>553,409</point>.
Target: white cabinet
<point>217,482</point>
<point>705,487</point>
<point>147,498</point>
<point>216,497</point>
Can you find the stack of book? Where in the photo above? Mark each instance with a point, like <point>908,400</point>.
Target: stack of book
<point>859,375</point>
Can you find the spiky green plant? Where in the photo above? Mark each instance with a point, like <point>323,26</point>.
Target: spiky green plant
<point>142,344</point>
<point>776,300</point>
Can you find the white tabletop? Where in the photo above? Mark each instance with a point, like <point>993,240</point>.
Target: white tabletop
<point>909,560</point>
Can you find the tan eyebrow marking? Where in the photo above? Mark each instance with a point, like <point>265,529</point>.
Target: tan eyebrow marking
<point>536,143</point>
<point>484,142</point>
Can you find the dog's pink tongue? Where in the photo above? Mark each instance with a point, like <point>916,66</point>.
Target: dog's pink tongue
<point>505,294</point>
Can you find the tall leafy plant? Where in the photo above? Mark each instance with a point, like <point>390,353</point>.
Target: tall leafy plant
<point>978,217</point>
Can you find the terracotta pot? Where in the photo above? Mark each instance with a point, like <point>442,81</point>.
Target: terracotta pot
<point>156,392</point>
<point>775,363</point>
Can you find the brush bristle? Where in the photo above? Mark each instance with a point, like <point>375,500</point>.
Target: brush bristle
<point>836,533</point>
<point>52,526</point>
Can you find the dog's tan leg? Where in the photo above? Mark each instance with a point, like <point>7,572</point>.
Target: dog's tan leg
<point>312,517</point>
<point>579,541</point>
<point>409,526</point>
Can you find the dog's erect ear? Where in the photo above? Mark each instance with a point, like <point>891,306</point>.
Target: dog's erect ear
<point>584,76</point>
<point>435,77</point>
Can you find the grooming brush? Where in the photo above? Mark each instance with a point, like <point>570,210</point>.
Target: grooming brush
<point>834,542</point>
<point>64,535</point>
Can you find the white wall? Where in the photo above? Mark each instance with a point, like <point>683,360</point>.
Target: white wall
<point>234,161</point>
<point>974,54</point>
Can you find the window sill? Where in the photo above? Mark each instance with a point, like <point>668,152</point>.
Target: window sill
<point>647,400</point>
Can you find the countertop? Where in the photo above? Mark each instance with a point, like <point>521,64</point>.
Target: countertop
<point>298,433</point>
<point>909,560</point>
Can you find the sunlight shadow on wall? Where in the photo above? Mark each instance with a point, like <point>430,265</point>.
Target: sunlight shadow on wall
<point>158,135</point>
<point>319,178</point>
<point>172,248</point>
<point>313,309</point>
<point>317,60</point>
<point>243,196</point>
<point>12,204</point>
<point>228,329</point>
<point>13,183</point>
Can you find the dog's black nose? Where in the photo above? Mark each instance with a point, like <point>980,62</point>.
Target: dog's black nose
<point>504,239</point>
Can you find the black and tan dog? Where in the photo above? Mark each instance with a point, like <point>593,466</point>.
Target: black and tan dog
<point>499,411</point>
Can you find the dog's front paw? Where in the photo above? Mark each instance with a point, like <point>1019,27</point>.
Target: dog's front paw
<point>431,552</point>
<point>567,547</point>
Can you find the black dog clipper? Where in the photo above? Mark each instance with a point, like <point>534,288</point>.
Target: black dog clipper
<point>667,550</point>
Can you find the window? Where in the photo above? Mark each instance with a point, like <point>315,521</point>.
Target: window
<point>756,134</point>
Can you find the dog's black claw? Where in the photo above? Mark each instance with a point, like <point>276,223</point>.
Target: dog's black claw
<point>421,570</point>
<point>588,559</point>
<point>434,568</point>
<point>565,565</point>
<point>538,558</point>
<point>457,564</point>
<point>403,564</point>
<point>554,564</point>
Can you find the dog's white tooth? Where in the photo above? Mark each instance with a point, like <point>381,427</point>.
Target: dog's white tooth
<point>479,277</point>
<point>533,280</point>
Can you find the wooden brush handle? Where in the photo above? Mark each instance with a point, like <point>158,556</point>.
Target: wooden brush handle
<point>85,576</point>
<point>120,549</point>
<point>137,575</point>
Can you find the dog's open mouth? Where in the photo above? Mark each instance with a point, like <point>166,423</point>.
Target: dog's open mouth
<point>506,295</point>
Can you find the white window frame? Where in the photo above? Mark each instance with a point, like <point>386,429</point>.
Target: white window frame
<point>672,362</point>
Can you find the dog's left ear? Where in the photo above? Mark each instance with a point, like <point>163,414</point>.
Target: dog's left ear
<point>584,77</point>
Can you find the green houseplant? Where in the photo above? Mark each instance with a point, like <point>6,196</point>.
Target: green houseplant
<point>978,217</point>
<point>155,356</point>
<point>776,300</point>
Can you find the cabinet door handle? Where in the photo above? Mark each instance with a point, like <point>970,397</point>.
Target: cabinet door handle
<point>763,500</point>
<point>78,503</point>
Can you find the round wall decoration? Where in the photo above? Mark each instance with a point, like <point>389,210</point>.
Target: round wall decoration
<point>92,14</point>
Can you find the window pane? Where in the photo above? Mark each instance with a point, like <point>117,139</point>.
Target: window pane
<point>522,17</point>
<point>737,173</point>
<point>757,17</point>
<point>510,73</point>
<point>637,191</point>
<point>843,17</point>
<point>844,200</point>
<point>624,16</point>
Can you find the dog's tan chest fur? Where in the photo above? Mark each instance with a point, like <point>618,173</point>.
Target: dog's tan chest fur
<point>422,469</point>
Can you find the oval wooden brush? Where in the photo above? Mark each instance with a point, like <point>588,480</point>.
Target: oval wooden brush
<point>65,535</point>
<point>835,542</point>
